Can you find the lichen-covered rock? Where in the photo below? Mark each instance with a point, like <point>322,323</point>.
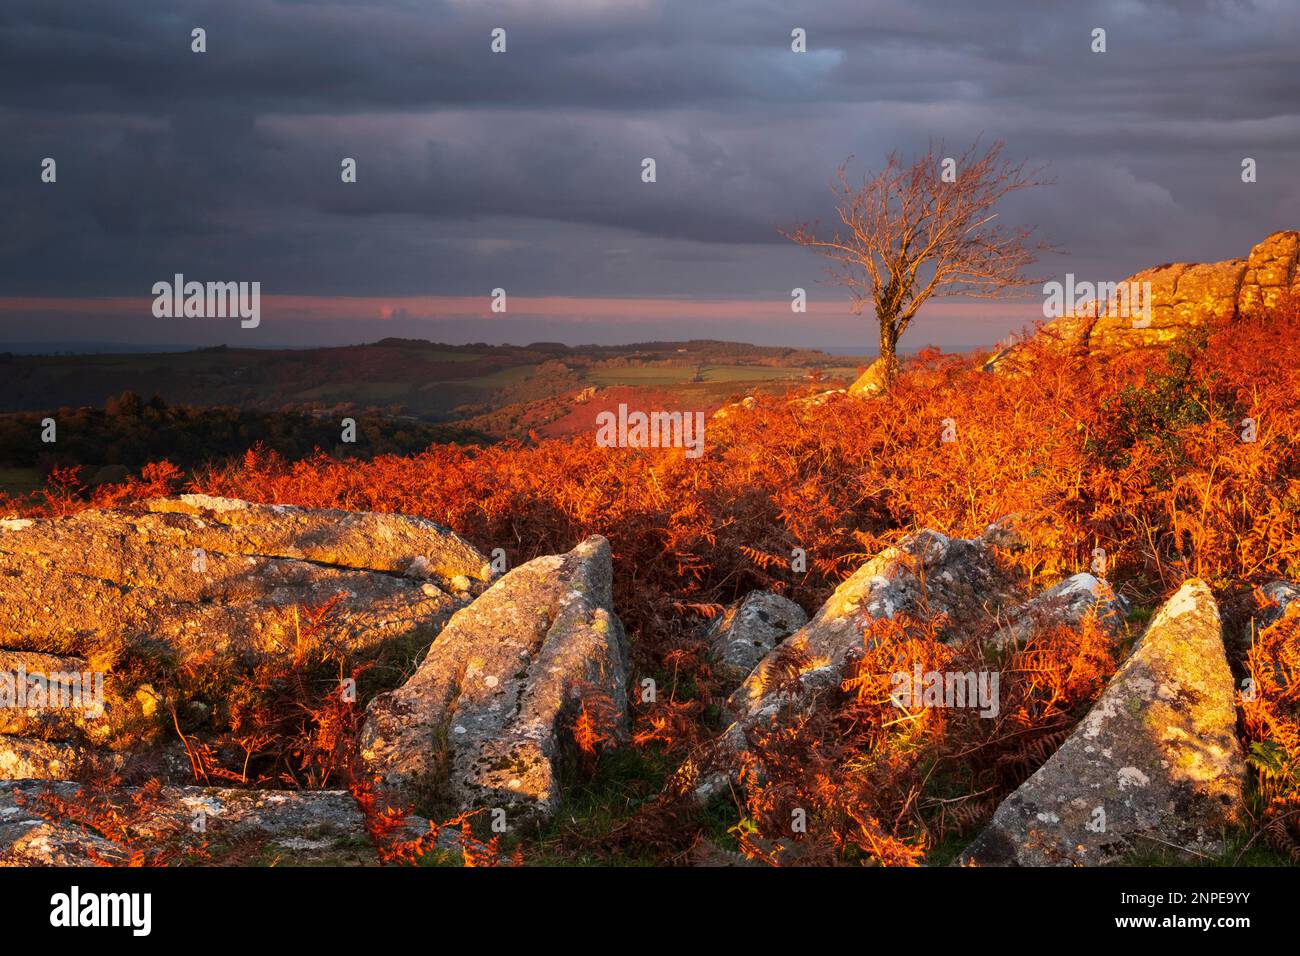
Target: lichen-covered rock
<point>197,575</point>
<point>318,827</point>
<point>482,722</point>
<point>1182,296</point>
<point>927,572</point>
<point>961,579</point>
<point>1281,594</point>
<point>727,411</point>
<point>57,714</point>
<point>157,547</point>
<point>1204,291</point>
<point>364,540</point>
<point>1270,272</point>
<point>196,581</point>
<point>1155,766</point>
<point>23,758</point>
<point>1064,605</point>
<point>73,700</point>
<point>872,381</point>
<point>748,631</point>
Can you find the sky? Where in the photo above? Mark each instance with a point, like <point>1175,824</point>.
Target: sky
<point>522,170</point>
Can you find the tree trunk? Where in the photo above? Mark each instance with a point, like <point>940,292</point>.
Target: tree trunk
<point>888,351</point>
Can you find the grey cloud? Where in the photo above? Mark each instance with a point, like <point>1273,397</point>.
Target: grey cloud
<point>523,169</point>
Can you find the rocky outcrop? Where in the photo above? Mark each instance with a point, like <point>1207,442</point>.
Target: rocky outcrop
<point>872,381</point>
<point>963,582</point>
<point>24,758</point>
<point>363,540</point>
<point>817,399</point>
<point>49,714</point>
<point>187,580</point>
<point>1271,272</point>
<point>748,631</point>
<point>482,722</point>
<point>1182,296</point>
<point>1155,766</point>
<point>728,411</point>
<point>321,827</point>
<point>926,571</point>
<point>196,575</point>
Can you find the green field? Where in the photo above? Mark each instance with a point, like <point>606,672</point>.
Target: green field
<point>356,392</point>
<point>681,374</point>
<point>499,379</point>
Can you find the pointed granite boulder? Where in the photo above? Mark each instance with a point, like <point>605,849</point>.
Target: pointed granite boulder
<point>1155,766</point>
<point>959,578</point>
<point>482,722</point>
<point>962,579</point>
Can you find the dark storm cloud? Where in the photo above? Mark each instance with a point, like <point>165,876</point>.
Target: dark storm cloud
<point>522,170</point>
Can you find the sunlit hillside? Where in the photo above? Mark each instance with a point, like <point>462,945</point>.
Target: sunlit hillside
<point>1139,456</point>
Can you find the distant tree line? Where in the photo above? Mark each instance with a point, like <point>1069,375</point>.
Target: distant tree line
<point>129,432</point>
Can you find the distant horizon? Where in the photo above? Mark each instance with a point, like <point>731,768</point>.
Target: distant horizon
<point>301,322</point>
<point>36,349</point>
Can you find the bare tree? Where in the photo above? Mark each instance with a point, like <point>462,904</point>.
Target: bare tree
<point>906,234</point>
